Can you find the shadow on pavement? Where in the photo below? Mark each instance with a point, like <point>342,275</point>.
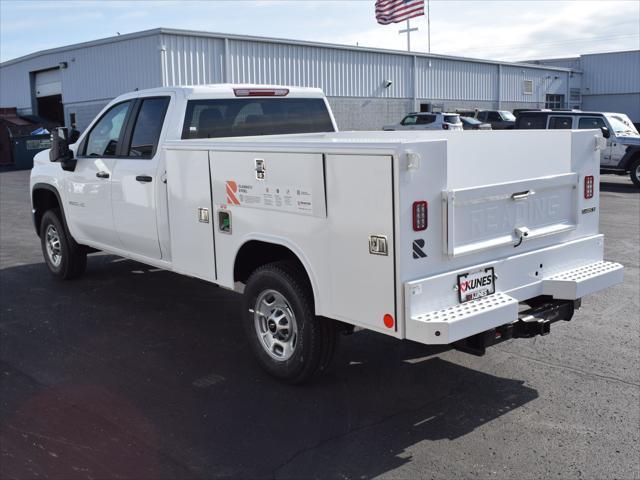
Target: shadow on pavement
<point>139,373</point>
<point>619,187</point>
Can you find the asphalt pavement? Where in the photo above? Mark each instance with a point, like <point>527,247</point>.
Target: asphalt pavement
<point>133,372</point>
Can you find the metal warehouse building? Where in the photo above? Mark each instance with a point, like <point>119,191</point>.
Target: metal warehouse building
<point>366,87</point>
<point>610,81</point>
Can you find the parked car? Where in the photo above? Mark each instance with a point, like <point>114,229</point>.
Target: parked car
<point>427,121</point>
<point>622,153</point>
<point>323,231</point>
<point>499,119</point>
<point>469,123</point>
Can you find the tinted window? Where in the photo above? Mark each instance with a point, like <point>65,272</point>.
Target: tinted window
<point>103,139</point>
<point>146,131</point>
<point>532,122</point>
<point>560,123</point>
<point>426,119</point>
<point>452,119</point>
<point>591,122</point>
<point>495,117</point>
<point>482,116</point>
<point>238,117</point>
<point>409,120</point>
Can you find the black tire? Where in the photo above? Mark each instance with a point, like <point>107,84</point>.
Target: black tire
<point>317,337</point>
<point>71,261</point>
<point>635,172</point>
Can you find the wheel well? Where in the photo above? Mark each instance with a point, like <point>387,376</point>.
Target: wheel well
<point>255,253</point>
<point>43,200</point>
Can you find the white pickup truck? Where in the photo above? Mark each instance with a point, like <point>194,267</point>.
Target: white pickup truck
<point>459,238</point>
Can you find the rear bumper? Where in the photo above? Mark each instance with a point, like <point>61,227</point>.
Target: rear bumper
<point>435,317</point>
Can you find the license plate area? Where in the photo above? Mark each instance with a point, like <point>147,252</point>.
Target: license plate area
<point>474,285</point>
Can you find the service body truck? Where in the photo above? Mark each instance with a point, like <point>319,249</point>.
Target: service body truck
<point>461,238</point>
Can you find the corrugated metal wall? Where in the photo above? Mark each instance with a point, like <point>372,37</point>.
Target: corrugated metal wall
<point>95,72</point>
<point>610,73</point>
<point>455,79</point>
<point>188,60</point>
<point>544,82</point>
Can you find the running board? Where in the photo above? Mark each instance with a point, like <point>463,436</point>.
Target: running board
<point>449,325</point>
<point>578,282</point>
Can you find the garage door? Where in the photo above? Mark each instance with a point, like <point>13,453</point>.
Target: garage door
<point>48,82</point>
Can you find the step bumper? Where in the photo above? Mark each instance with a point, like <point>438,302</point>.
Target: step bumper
<point>454,323</point>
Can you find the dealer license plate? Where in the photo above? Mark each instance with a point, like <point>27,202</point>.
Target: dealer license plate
<point>475,285</point>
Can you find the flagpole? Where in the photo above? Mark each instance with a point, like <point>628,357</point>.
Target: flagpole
<point>429,26</point>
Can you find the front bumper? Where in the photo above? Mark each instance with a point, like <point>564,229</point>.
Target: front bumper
<point>450,324</point>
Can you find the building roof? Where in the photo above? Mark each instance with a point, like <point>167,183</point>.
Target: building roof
<point>195,33</point>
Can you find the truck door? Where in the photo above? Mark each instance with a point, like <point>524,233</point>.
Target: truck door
<point>88,187</point>
<point>136,183</point>
<point>598,123</point>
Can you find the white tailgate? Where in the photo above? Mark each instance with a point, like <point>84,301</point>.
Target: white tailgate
<point>511,213</point>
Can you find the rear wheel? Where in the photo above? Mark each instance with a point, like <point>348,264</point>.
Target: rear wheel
<point>635,172</point>
<point>289,341</point>
<point>65,259</point>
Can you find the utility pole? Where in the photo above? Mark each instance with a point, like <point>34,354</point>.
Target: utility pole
<point>408,31</point>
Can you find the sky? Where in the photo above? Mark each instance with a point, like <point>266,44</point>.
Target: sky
<point>501,30</point>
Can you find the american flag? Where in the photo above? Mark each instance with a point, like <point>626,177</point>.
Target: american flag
<point>394,11</point>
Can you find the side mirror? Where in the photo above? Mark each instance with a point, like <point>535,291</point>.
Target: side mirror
<point>74,135</point>
<point>60,151</point>
<point>606,133</point>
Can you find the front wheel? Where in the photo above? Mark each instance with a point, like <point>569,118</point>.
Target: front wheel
<point>65,259</point>
<point>635,172</point>
<point>289,341</point>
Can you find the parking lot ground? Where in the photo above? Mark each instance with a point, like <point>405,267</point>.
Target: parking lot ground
<point>132,372</point>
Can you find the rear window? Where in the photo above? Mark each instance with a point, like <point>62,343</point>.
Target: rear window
<point>243,117</point>
<point>452,119</point>
<point>533,122</point>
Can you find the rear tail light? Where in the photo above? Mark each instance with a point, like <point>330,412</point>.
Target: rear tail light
<point>588,187</point>
<point>261,92</point>
<point>445,126</point>
<point>420,216</point>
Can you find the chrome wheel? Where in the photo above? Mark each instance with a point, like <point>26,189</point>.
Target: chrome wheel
<point>275,325</point>
<point>52,243</point>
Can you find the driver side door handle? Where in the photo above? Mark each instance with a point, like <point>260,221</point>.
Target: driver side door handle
<point>102,174</point>
<point>144,178</point>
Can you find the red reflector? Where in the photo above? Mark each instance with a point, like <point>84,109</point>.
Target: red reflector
<point>588,186</point>
<point>388,321</point>
<point>420,215</point>
<point>445,126</point>
<point>261,92</point>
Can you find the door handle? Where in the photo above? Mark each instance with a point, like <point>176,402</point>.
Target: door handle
<point>102,174</point>
<point>144,178</point>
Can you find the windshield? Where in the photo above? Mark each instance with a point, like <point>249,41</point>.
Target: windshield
<point>621,125</point>
<point>470,121</point>
<point>508,116</point>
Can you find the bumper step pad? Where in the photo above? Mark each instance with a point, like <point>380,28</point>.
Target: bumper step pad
<point>460,321</point>
<point>578,282</point>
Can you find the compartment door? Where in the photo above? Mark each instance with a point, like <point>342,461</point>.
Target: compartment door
<point>190,213</point>
<point>360,206</point>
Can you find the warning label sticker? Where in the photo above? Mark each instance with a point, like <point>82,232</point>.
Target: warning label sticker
<point>276,197</point>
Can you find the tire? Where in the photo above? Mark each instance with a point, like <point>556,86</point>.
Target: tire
<point>65,259</point>
<point>635,172</point>
<point>286,337</point>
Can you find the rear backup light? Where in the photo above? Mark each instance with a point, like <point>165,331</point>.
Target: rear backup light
<point>420,216</point>
<point>588,187</point>
<point>261,92</point>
